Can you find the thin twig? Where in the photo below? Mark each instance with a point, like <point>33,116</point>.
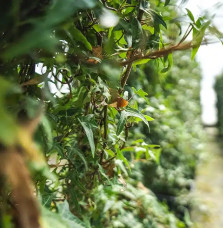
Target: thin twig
<point>186,34</point>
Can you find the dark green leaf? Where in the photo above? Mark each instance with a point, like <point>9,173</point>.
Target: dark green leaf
<point>136,32</point>
<point>78,36</point>
<point>158,19</point>
<point>89,124</point>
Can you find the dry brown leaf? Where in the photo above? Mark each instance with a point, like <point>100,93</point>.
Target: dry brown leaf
<point>97,51</point>
<point>119,103</point>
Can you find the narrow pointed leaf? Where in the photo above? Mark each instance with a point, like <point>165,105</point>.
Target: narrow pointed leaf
<point>121,122</point>
<point>88,124</point>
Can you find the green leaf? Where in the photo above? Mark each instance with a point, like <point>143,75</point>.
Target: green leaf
<point>198,36</point>
<point>98,28</point>
<point>110,152</point>
<point>136,30</point>
<point>120,166</point>
<point>158,19</point>
<point>170,63</point>
<point>66,215</point>
<point>78,36</point>
<point>119,36</point>
<point>89,124</point>
<point>140,62</point>
<point>154,146</point>
<point>137,113</point>
<point>191,16</point>
<point>126,113</point>
<point>128,10</point>
<point>155,154</point>
<point>141,93</point>
<point>148,118</point>
<point>122,157</point>
<point>121,122</point>
<point>148,28</point>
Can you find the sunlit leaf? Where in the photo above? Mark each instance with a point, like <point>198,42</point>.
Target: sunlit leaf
<point>139,62</point>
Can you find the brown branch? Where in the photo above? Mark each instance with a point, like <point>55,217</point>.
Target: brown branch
<point>159,53</point>
<point>165,51</point>
<point>187,33</point>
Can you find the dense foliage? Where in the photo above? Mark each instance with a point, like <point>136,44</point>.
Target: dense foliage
<point>81,83</point>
